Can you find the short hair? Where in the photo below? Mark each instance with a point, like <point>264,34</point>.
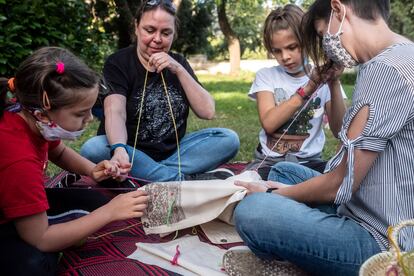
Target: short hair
<point>321,10</point>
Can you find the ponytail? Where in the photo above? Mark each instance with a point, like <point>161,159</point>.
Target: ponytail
<point>4,88</point>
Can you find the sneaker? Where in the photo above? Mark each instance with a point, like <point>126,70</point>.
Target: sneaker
<point>240,261</point>
<point>220,173</point>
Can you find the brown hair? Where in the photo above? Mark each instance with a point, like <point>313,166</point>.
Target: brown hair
<point>282,18</point>
<point>166,5</point>
<point>321,10</point>
<point>39,73</point>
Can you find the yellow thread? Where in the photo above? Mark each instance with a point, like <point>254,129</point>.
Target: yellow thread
<point>139,118</point>
<point>175,126</point>
<point>394,244</point>
<point>194,231</point>
<point>172,117</point>
<point>113,232</point>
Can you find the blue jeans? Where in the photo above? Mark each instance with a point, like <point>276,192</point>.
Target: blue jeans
<point>318,242</point>
<point>200,151</point>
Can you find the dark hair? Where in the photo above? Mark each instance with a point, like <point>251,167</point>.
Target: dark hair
<point>282,18</point>
<point>3,94</point>
<point>166,5</point>
<point>39,73</point>
<point>321,10</point>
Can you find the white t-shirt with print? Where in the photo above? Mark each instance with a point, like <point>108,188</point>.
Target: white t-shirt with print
<point>276,80</point>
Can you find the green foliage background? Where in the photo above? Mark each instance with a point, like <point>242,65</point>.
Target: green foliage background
<point>90,28</point>
<point>30,24</point>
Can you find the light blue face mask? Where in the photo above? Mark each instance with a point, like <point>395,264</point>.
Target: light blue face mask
<point>298,69</point>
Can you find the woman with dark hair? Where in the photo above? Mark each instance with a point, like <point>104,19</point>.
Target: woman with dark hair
<point>151,91</point>
<point>370,179</point>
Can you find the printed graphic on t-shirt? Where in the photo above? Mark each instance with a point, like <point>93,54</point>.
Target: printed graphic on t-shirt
<point>156,122</point>
<point>296,132</point>
<point>280,95</point>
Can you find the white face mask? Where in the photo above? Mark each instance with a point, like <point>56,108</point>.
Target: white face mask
<point>333,48</point>
<point>299,69</point>
<point>53,132</point>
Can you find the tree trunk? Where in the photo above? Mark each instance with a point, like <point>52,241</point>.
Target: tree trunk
<point>231,37</point>
<point>125,22</point>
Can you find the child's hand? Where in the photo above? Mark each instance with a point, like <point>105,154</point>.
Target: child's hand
<point>106,169</point>
<point>333,73</point>
<point>128,205</point>
<point>328,72</point>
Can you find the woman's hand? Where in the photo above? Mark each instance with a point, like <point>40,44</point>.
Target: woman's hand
<point>128,205</point>
<point>121,158</point>
<point>106,169</point>
<point>163,60</point>
<point>259,187</point>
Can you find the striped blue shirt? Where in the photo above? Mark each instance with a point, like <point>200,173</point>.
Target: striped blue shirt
<point>385,197</point>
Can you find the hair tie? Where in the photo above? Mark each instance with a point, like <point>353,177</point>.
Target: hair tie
<point>10,83</point>
<point>60,67</point>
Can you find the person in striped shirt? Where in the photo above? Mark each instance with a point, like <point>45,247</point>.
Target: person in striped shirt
<point>369,184</point>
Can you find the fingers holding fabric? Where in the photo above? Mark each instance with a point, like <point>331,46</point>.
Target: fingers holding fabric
<point>128,205</point>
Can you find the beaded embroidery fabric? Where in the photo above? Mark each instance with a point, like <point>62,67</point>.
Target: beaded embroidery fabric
<point>174,206</point>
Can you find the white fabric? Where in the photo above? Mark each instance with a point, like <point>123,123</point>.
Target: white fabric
<point>276,80</point>
<point>220,233</point>
<point>196,257</point>
<point>178,205</point>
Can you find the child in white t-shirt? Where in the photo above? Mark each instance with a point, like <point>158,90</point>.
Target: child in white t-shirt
<point>282,91</point>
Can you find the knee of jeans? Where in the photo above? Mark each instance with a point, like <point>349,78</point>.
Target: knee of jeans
<point>245,214</point>
<point>281,169</point>
<point>284,166</point>
<point>95,150</point>
<point>230,141</point>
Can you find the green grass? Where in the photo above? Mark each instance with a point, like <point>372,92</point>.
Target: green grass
<point>234,110</point>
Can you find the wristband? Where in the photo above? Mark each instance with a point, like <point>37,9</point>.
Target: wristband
<point>114,146</point>
<point>270,190</point>
<point>302,94</point>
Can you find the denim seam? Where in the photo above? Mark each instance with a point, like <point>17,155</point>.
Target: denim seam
<point>296,175</point>
<point>303,253</point>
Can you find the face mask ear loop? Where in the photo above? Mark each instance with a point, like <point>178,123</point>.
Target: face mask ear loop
<point>342,22</point>
<point>46,102</point>
<point>329,24</point>
<point>340,26</point>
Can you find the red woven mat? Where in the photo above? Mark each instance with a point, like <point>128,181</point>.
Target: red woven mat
<point>106,255</point>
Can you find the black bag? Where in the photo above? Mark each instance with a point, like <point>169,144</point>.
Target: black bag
<point>68,191</point>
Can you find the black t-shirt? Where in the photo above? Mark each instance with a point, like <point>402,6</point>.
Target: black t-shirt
<point>125,75</point>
